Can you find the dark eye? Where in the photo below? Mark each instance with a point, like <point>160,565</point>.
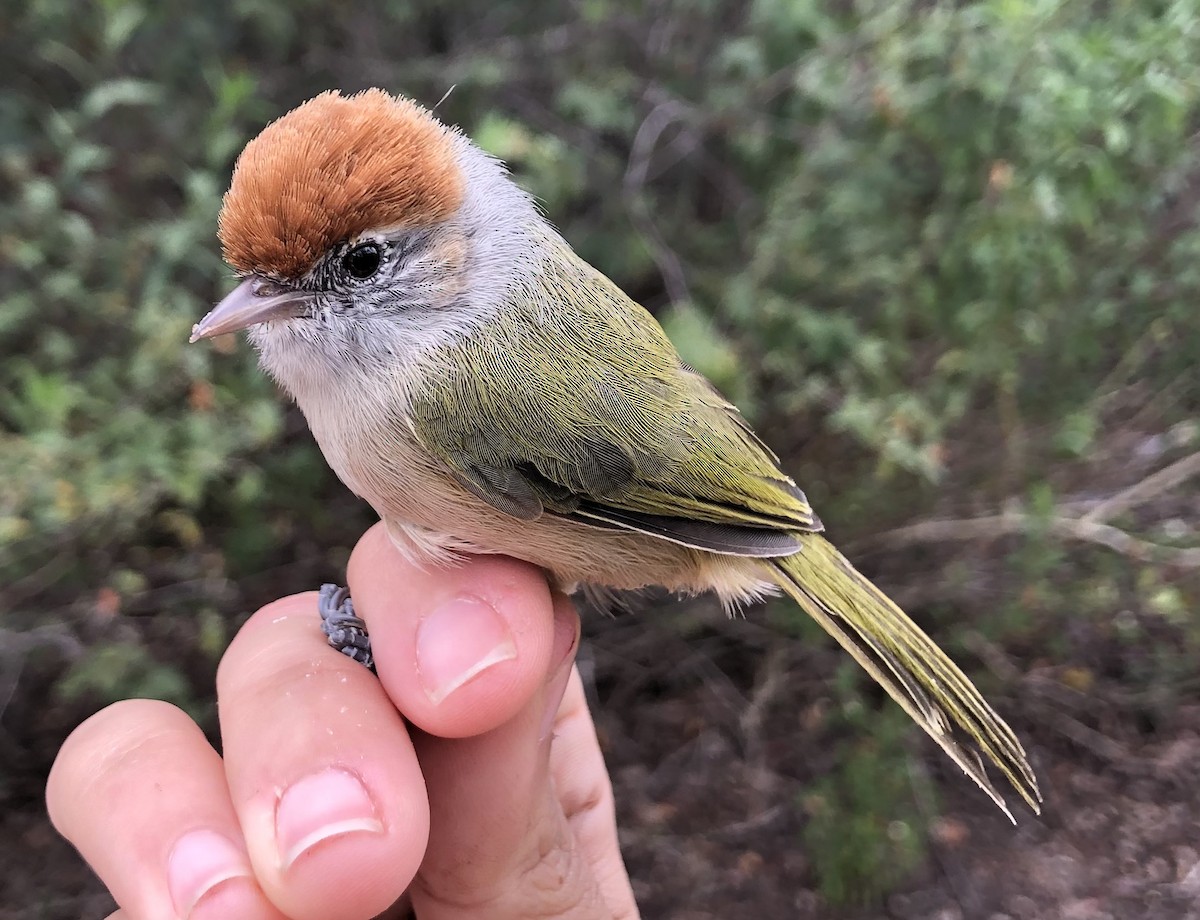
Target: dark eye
<point>363,260</point>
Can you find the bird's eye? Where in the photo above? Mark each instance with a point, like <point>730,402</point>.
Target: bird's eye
<point>363,260</point>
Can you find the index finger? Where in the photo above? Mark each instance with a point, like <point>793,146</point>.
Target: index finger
<point>460,649</point>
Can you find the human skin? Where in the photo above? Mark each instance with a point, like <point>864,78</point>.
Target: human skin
<point>467,776</point>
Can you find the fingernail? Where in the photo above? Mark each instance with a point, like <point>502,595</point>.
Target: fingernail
<point>320,807</point>
<point>459,641</point>
<point>200,861</point>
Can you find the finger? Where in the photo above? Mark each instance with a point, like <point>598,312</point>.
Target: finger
<point>585,793</point>
<point>500,845</point>
<point>320,768</point>
<point>142,795</point>
<point>459,650</point>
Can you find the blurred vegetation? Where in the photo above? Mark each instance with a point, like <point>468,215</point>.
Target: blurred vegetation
<point>945,254</point>
<point>864,831</point>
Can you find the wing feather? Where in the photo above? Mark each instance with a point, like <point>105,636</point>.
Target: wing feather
<point>595,416</point>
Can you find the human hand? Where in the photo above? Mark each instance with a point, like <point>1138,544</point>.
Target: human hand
<point>491,800</point>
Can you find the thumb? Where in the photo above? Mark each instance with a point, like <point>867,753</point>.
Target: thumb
<point>500,844</point>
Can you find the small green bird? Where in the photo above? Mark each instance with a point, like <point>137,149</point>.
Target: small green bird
<point>488,391</point>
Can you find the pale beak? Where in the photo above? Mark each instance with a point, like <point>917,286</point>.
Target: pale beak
<point>255,300</point>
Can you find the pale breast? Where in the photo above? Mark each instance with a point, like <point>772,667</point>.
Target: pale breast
<point>432,519</point>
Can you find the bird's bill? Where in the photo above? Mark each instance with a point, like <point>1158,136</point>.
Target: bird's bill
<point>254,301</point>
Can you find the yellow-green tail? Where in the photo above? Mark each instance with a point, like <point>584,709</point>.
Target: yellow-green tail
<point>907,663</point>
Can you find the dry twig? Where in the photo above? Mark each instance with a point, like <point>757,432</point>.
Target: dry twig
<point>1088,528</point>
<point>661,117</point>
<point>1019,522</point>
<point>1141,492</point>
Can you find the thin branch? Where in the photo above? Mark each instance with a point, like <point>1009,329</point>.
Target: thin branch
<point>1016,522</point>
<point>15,647</point>
<point>747,828</point>
<point>662,116</point>
<point>1091,740</point>
<point>1126,544</point>
<point>1139,493</point>
<point>770,683</point>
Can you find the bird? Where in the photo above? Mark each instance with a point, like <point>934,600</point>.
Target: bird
<point>486,390</point>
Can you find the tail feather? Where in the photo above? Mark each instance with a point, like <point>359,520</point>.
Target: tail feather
<point>907,664</point>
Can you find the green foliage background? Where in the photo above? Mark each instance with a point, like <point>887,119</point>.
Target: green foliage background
<point>944,254</point>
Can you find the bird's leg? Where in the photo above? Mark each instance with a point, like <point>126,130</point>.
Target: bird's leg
<point>345,631</point>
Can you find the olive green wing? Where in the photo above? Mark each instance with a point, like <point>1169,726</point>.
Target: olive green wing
<point>598,420</point>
